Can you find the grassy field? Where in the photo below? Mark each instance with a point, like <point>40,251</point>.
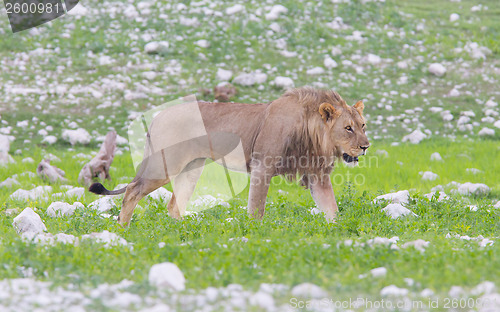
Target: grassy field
<point>91,71</point>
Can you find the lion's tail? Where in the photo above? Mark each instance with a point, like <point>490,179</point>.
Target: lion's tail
<point>98,188</point>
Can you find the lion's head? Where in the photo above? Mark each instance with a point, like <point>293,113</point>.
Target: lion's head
<point>346,125</point>
<point>327,127</point>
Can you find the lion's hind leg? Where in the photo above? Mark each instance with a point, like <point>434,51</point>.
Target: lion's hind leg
<point>134,193</point>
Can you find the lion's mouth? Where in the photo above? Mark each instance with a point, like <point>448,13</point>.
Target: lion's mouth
<point>348,158</point>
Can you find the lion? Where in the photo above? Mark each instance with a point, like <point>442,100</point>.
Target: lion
<point>299,135</point>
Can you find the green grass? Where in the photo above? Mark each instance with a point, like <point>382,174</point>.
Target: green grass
<point>290,245</point>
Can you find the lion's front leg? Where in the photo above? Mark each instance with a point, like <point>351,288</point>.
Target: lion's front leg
<point>324,197</point>
<point>260,178</point>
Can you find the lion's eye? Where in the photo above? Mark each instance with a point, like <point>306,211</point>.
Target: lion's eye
<point>348,128</point>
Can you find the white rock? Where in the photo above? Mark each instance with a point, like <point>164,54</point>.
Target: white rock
<point>315,71</point>
<point>473,171</point>
<point>497,124</point>
<point>429,176</point>
<point>436,157</point>
<point>454,93</point>
<point>314,211</point>
<point>202,43</point>
<point>167,275</point>
<point>262,300</point>
<point>9,182</point>
<point>308,290</point>
<point>161,194</point>
<point>107,238</point>
<point>418,244</point>
<point>29,221</point>
<point>275,12</point>
<point>50,139</point>
<point>454,17</point>
<point>441,196</point>
<point>483,288</point>
<point>208,201</point>
<point>401,197</point>
<point>415,137</point>
<point>426,293</point>
<point>57,209</point>
<point>329,62</point>
<point>78,136</point>
<point>373,59</point>
<point>473,189</point>
<point>379,272</point>
<point>456,292</point>
<point>156,47</point>
<point>235,9</point>
<point>78,10</point>
<point>250,79</point>
<point>397,210</point>
<point>283,82</point>
<point>497,205</point>
<point>486,132</point>
<point>437,69</point>
<point>34,194</point>
<point>393,290</point>
<point>491,104</point>
<point>102,204</point>
<point>224,75</point>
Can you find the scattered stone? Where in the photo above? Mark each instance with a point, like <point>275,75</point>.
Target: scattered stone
<point>107,238</point>
<point>249,79</point>
<point>160,194</point>
<point>283,82</point>
<point>393,290</point>
<point>208,201</point>
<point>401,197</point>
<point>436,157</point>
<point>415,137</point>
<point>58,209</point>
<point>315,71</point>
<point>473,189</point>
<point>224,75</point>
<point>397,210</point>
<point>437,69</point>
<point>440,196</point>
<point>46,171</point>
<point>486,132</point>
<point>102,204</point>
<point>315,211</point>
<point>379,272</point>
<point>329,62</point>
<point>34,194</point>
<point>429,176</point>
<point>29,221</point>
<point>78,136</point>
<point>167,275</point>
<point>156,47</point>
<point>275,12</point>
<point>454,17</point>
<point>235,9</point>
<point>418,244</point>
<point>9,182</point>
<point>308,290</point>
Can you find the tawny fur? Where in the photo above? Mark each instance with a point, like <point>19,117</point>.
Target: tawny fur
<point>304,122</point>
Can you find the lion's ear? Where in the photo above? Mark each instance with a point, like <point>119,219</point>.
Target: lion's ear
<point>359,106</point>
<point>328,112</point>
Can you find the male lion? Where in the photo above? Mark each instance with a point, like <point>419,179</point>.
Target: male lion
<point>301,133</point>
